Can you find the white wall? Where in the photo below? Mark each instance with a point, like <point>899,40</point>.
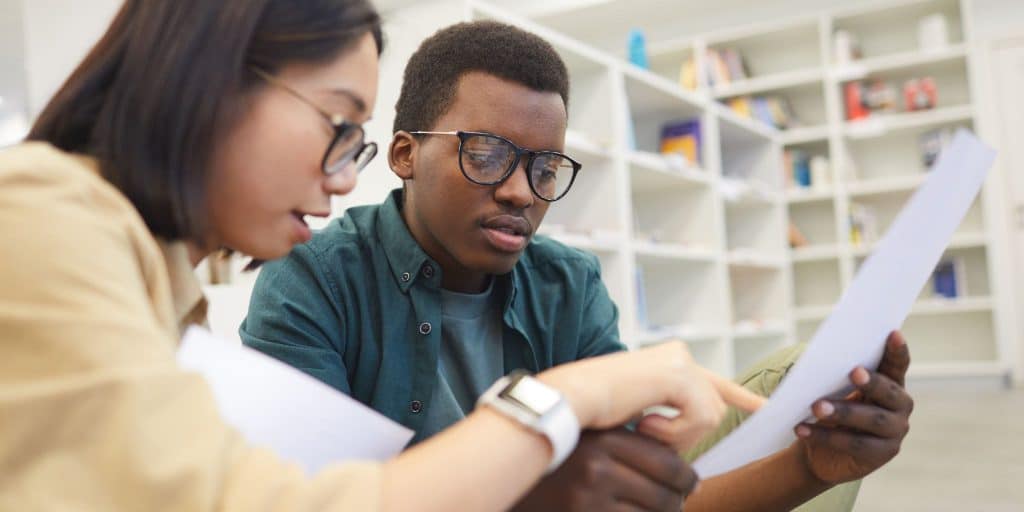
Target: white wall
<point>58,34</point>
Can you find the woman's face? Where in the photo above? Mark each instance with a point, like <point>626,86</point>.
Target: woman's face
<point>267,169</point>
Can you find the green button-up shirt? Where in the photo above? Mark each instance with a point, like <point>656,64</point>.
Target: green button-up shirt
<point>359,307</point>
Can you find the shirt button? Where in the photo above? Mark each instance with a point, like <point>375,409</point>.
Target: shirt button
<point>416,406</point>
<point>428,271</point>
<point>425,328</point>
<point>406,277</point>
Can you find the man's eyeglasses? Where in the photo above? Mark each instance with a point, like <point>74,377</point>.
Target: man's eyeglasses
<point>488,159</point>
<point>348,145</point>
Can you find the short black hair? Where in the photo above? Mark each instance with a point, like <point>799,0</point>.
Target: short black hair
<point>433,72</point>
<point>152,98</point>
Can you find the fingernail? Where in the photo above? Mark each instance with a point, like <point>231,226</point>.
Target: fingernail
<point>860,376</point>
<point>802,431</point>
<point>826,409</point>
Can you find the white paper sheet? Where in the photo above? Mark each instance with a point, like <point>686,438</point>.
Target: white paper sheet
<point>276,406</point>
<point>875,304</point>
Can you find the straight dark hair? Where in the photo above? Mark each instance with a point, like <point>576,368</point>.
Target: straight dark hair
<point>152,98</point>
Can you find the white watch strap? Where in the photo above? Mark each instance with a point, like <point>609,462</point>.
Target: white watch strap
<point>562,428</point>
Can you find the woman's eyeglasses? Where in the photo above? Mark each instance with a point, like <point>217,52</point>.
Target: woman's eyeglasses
<point>348,145</point>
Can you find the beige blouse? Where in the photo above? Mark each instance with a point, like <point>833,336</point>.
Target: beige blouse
<point>94,413</point>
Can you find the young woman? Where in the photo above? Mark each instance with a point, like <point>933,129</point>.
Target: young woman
<point>191,126</point>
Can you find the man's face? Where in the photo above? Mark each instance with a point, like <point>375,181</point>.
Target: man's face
<point>473,228</point>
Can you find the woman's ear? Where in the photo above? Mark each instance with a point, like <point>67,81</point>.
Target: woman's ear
<point>401,154</point>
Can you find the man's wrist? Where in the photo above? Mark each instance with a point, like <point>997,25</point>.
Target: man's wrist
<point>796,459</point>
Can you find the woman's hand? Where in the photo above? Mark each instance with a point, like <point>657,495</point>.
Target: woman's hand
<point>610,390</point>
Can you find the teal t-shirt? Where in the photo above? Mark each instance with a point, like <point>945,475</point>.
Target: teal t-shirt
<point>471,357</point>
<point>359,307</point>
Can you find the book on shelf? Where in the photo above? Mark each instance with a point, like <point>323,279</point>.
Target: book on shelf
<point>724,66</point>
<point>684,138</point>
<point>803,171</point>
<point>688,74</point>
<point>863,225</point>
<point>775,111</point>
<point>931,143</point>
<point>949,280</point>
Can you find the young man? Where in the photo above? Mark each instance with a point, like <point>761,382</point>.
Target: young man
<point>415,306</point>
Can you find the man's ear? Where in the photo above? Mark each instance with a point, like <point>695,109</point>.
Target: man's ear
<point>401,154</point>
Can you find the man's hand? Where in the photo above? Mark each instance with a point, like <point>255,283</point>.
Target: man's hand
<point>614,470</point>
<point>859,434</point>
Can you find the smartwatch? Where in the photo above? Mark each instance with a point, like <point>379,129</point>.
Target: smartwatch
<point>537,406</point>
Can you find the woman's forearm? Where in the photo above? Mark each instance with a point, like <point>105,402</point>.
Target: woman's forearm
<point>485,462</point>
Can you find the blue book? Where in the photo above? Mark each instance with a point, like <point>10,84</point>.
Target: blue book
<point>944,280</point>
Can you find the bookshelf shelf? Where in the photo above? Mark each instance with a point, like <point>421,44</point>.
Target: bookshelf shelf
<point>773,329</point>
<point>956,369</point>
<point>578,142</point>
<point>804,135</point>
<point>608,243</point>
<point>645,337</point>
<point>895,184</point>
<point>652,172</point>
<point>881,125</point>
<point>752,260</point>
<point>813,313</point>
<point>812,253</point>
<point>677,252</point>
<point>913,60</point>
<point>768,83</point>
<point>799,195</point>
<point>952,306</point>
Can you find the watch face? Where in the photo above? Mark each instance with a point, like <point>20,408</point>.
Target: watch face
<point>533,395</point>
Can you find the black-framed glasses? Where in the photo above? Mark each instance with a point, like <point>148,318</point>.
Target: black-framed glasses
<point>348,146</point>
<point>488,159</point>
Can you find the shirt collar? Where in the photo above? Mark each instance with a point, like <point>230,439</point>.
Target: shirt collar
<point>406,258</point>
<point>190,304</point>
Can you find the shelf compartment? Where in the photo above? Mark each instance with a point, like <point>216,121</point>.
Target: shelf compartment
<point>678,294</point>
<point>893,30</point>
<point>593,205</point>
<point>749,351</point>
<point>816,284</point>
<point>749,157</point>
<point>896,155</point>
<point>758,295</point>
<point>816,221</point>
<point>676,216</point>
<point>951,338</point>
<point>755,228</point>
<point>781,50</point>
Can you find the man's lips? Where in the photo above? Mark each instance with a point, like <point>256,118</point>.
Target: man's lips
<point>507,233</point>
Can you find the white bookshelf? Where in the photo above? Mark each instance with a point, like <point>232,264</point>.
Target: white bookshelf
<point>874,163</point>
